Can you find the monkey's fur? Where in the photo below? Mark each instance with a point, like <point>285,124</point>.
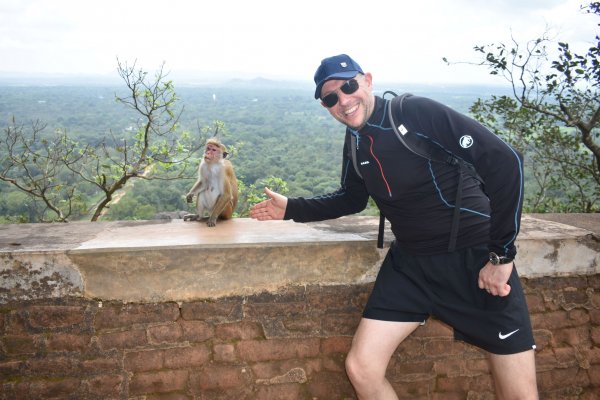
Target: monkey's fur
<point>216,186</point>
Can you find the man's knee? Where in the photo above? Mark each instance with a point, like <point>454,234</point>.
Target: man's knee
<point>352,368</point>
<point>362,370</point>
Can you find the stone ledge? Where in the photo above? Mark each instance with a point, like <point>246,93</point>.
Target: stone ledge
<point>151,261</point>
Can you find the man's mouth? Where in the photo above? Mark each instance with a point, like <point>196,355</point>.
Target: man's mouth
<point>351,110</point>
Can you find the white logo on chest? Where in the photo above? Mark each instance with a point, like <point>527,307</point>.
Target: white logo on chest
<point>466,141</point>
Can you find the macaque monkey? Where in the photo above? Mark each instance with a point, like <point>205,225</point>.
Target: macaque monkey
<point>216,186</point>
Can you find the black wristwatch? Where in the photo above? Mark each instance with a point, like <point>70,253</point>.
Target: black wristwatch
<point>495,259</point>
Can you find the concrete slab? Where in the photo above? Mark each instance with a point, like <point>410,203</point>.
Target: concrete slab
<point>142,261</point>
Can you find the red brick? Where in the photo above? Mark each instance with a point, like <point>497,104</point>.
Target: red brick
<point>182,357</point>
<point>53,365</point>
<point>478,366</point>
<point>337,299</point>
<point>595,334</point>
<point>123,340</point>
<point>221,311</point>
<point>562,377</point>
<point>102,364</point>
<point>274,310</point>
<point>169,333</point>
<point>330,385</point>
<point>112,316</point>
<point>294,375</point>
<point>67,342</point>
<point>277,349</point>
<point>575,298</point>
<point>465,384</point>
<point>340,324</point>
<point>579,317</point>
<point>105,386</point>
<point>551,320</point>
<point>444,347</point>
<point>55,316</point>
<point>239,330</point>
<point>147,360</point>
<point>415,390</point>
<point>543,338</point>
<point>15,323</point>
<point>55,389</point>
<point>224,352</point>
<point>545,360</point>
<point>593,355</point>
<point>10,368</point>
<point>167,396</point>
<point>535,303</point>
<point>338,344</point>
<point>303,326</point>
<point>220,377</point>
<point>287,391</point>
<point>196,331</point>
<point>265,371</point>
<point>576,336</point>
<point>594,374</point>
<point>335,363</point>
<point>17,345</point>
<point>157,382</point>
<point>567,356</point>
<point>411,348</point>
<point>414,368</point>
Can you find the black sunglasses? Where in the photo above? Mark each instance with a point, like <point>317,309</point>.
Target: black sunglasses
<point>349,87</point>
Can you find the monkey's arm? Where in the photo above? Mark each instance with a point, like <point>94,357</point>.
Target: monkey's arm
<point>196,189</point>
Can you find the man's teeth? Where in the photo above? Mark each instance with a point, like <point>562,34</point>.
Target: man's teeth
<point>350,111</point>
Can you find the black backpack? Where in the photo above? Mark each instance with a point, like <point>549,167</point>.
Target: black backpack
<point>423,147</point>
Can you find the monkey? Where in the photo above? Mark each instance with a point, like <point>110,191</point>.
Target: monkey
<point>216,186</point>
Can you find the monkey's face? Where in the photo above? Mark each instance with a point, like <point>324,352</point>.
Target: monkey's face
<point>212,153</point>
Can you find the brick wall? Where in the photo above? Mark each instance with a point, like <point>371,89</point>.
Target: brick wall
<point>288,345</point>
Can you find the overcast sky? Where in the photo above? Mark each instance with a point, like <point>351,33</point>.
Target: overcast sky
<point>396,40</point>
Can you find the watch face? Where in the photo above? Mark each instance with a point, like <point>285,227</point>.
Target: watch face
<point>494,259</point>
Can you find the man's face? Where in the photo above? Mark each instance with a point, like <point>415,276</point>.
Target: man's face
<point>353,109</point>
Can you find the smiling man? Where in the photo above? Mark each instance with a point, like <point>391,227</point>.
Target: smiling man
<point>454,227</point>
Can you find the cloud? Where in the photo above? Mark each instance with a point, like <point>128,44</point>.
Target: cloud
<point>394,40</point>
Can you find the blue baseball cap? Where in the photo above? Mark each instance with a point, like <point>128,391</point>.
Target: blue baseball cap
<point>336,67</point>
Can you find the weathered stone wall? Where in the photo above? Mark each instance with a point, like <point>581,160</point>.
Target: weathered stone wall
<point>286,345</point>
<point>287,340</point>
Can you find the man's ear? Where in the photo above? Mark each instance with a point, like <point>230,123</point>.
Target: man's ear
<point>368,79</point>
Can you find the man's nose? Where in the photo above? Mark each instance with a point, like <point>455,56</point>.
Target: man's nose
<point>343,97</point>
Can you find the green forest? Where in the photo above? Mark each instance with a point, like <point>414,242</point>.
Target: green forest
<point>274,129</point>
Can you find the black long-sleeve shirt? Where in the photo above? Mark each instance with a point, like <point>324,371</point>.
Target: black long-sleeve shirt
<point>417,195</point>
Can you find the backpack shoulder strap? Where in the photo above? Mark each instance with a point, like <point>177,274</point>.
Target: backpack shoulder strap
<point>352,150</point>
<point>414,142</point>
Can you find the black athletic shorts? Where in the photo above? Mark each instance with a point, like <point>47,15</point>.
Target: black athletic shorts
<point>411,288</point>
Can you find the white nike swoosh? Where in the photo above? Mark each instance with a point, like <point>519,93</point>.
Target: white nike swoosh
<point>502,337</point>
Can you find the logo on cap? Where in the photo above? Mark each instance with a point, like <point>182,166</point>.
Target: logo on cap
<point>343,64</point>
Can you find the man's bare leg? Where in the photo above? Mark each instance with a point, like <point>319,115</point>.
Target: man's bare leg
<point>372,347</point>
<point>514,375</point>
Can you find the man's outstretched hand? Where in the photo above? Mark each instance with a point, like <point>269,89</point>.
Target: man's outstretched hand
<point>270,209</point>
